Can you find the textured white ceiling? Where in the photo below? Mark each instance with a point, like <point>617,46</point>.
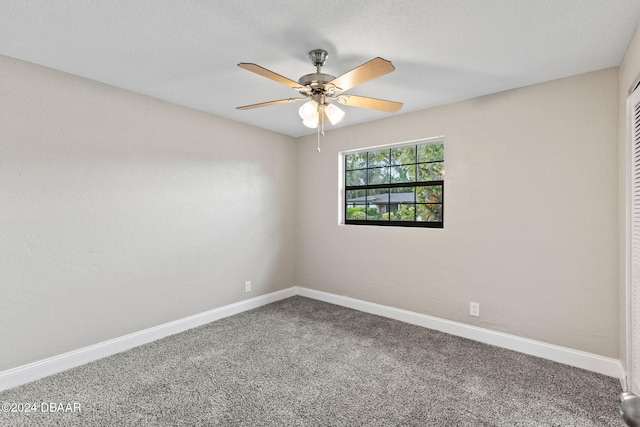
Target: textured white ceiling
<point>444,51</point>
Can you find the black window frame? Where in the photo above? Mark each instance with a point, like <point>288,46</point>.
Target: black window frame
<point>366,187</point>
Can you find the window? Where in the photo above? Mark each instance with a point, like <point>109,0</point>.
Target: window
<point>395,185</point>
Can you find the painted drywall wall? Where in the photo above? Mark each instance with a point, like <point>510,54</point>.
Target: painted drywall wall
<point>530,216</point>
<point>119,212</point>
<point>628,73</point>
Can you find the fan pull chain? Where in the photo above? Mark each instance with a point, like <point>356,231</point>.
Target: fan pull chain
<point>321,112</point>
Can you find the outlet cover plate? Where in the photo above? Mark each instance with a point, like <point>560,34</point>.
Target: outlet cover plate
<point>474,309</point>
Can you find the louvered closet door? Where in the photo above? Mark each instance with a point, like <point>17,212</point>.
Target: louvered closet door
<point>633,121</point>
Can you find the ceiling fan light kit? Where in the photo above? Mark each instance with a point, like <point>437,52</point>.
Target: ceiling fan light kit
<point>309,113</point>
<point>312,112</point>
<point>318,89</point>
<point>334,113</point>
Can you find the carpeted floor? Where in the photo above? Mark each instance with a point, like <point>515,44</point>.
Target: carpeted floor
<point>301,362</point>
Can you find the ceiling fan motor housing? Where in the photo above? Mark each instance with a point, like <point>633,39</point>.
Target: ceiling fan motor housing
<point>316,80</point>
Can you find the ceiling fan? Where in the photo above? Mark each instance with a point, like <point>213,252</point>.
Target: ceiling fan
<point>318,89</point>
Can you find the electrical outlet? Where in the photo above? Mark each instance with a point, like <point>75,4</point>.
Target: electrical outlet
<point>247,286</point>
<point>474,309</point>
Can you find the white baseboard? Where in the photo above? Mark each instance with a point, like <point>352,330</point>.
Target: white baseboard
<point>42,368</point>
<point>580,359</point>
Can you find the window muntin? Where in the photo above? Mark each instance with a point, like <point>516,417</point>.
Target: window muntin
<point>402,186</point>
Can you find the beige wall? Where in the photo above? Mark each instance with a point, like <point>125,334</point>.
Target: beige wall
<point>119,212</point>
<point>530,216</point>
<point>628,72</point>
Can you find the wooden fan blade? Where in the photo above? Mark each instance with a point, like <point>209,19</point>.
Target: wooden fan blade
<point>372,103</point>
<point>266,104</point>
<point>269,74</point>
<point>368,71</point>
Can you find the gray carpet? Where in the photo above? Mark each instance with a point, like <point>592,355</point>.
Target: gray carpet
<point>300,362</point>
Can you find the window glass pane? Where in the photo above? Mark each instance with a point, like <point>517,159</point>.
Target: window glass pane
<point>430,152</point>
<point>378,176</point>
<point>374,212</point>
<point>402,195</point>
<point>356,161</point>
<point>404,212</point>
<point>429,212</point>
<point>379,158</point>
<point>431,171</point>
<point>403,155</point>
<point>429,194</point>
<point>378,196</point>
<point>357,177</point>
<point>405,173</point>
<point>385,212</point>
<point>356,196</point>
<point>358,212</point>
